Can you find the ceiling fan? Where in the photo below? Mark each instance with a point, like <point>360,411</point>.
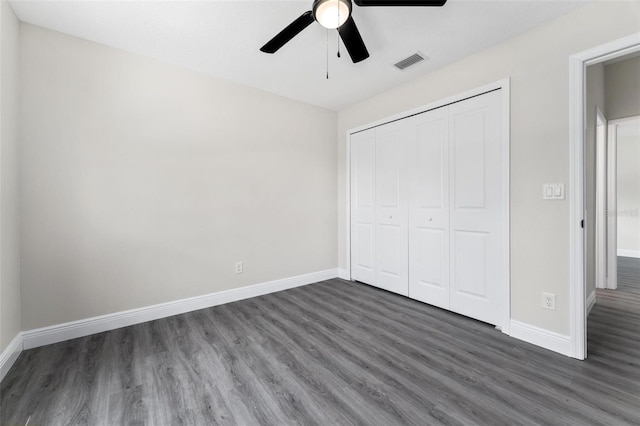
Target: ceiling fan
<point>333,14</point>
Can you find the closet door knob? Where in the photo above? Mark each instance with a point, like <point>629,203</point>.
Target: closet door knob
<point>390,217</point>
<point>429,219</point>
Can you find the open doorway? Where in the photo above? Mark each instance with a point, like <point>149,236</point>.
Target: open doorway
<point>612,197</point>
<point>623,212</point>
<point>582,264</point>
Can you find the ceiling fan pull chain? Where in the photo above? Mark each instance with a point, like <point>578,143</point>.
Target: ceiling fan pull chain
<point>338,38</point>
<point>327,54</point>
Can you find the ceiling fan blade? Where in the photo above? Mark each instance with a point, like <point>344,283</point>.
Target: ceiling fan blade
<point>400,2</point>
<point>292,30</point>
<point>353,41</point>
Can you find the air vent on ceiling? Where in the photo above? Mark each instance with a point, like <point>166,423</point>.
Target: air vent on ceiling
<point>411,60</point>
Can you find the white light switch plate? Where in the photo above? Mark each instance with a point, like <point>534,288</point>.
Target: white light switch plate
<point>553,191</point>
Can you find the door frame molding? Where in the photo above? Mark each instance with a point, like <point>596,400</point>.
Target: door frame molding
<point>504,85</point>
<point>611,281</point>
<point>600,215</point>
<point>577,137</point>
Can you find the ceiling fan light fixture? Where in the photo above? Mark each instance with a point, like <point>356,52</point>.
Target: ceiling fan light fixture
<point>331,14</point>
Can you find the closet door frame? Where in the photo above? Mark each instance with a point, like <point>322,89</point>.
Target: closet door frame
<point>504,87</point>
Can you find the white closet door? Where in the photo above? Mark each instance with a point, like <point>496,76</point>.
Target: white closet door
<point>363,241</point>
<point>476,207</point>
<point>429,208</point>
<point>391,207</point>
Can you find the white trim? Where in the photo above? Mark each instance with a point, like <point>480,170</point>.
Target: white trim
<point>10,355</point>
<point>347,275</point>
<point>601,200</point>
<point>344,274</point>
<point>612,205</point>
<point>555,342</point>
<point>71,330</point>
<point>591,301</point>
<point>500,84</point>
<point>577,318</point>
<point>629,253</point>
<point>577,64</point>
<point>506,195</point>
<point>504,86</point>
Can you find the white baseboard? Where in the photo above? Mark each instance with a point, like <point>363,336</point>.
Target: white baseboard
<point>71,330</point>
<point>10,355</point>
<point>555,342</point>
<point>344,274</point>
<point>591,301</point>
<point>629,253</point>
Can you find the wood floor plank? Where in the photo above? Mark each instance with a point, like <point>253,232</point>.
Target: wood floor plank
<point>335,352</point>
<point>128,407</point>
<point>442,366</point>
<point>325,364</point>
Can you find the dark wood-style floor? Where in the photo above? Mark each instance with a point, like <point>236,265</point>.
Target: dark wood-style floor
<point>329,353</point>
<point>627,296</point>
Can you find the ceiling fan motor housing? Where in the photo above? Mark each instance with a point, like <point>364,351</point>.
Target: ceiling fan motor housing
<point>331,14</point>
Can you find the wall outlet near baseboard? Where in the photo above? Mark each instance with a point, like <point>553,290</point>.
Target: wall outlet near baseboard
<point>239,267</point>
<point>549,301</point>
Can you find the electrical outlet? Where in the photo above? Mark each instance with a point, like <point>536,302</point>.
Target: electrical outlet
<point>239,267</point>
<point>549,301</point>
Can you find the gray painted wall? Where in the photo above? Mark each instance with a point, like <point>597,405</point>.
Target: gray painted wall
<point>9,237</point>
<point>628,191</point>
<point>622,88</point>
<point>144,183</point>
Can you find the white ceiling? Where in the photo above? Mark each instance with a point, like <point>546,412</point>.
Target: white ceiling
<point>222,38</point>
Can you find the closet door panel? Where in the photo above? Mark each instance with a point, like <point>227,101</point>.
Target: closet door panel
<point>471,263</point>
<point>429,209</point>
<point>391,207</point>
<point>469,158</point>
<point>390,239</point>
<point>476,207</point>
<point>363,241</point>
<point>430,272</point>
